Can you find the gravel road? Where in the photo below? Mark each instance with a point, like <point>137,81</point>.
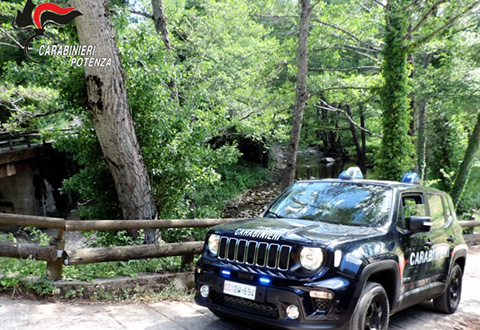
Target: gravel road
<point>41,315</point>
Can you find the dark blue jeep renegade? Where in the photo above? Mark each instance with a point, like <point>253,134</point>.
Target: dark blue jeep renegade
<point>336,254</point>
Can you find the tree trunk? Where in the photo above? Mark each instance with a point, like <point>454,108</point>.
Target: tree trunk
<point>356,142</point>
<point>364,142</point>
<point>470,155</point>
<point>161,27</point>
<point>422,139</point>
<point>161,22</point>
<point>301,93</point>
<point>422,127</point>
<point>395,157</point>
<point>110,112</point>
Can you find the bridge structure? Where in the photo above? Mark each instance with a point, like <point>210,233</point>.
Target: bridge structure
<point>30,175</point>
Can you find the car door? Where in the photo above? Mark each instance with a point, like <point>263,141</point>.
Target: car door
<point>417,247</point>
<point>440,214</point>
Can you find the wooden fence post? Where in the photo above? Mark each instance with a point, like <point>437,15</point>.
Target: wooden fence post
<point>54,268</point>
<point>187,259</point>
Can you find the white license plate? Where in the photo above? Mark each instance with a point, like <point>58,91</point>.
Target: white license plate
<point>240,290</point>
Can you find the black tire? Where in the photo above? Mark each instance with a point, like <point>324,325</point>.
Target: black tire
<point>372,310</point>
<point>450,299</point>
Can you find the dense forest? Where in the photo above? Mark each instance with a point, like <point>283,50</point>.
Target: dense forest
<point>392,85</point>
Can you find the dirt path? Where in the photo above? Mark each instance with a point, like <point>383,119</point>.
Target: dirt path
<point>41,315</point>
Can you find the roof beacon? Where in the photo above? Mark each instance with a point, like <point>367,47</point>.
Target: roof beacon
<point>411,177</point>
<point>351,173</point>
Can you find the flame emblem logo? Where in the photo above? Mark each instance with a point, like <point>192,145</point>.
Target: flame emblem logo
<point>39,17</point>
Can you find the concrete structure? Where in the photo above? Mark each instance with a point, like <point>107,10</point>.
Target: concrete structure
<point>20,185</point>
<point>30,177</point>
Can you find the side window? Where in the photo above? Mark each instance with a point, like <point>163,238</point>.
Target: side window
<point>437,211</point>
<point>412,205</point>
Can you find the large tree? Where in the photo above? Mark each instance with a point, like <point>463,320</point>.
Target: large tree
<point>110,112</point>
<point>468,160</point>
<point>405,31</point>
<point>301,91</point>
<point>397,148</point>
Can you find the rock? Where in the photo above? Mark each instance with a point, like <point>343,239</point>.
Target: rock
<point>327,160</point>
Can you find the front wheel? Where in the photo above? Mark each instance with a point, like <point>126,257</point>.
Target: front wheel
<point>449,300</point>
<point>372,310</point>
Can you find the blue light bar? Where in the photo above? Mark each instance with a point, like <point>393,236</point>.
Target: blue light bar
<point>226,273</point>
<point>411,177</point>
<point>265,280</point>
<point>351,173</point>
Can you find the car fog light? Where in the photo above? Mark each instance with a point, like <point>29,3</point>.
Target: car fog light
<point>204,291</point>
<point>293,312</point>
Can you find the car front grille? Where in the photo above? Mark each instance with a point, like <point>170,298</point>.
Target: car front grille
<point>245,305</point>
<point>322,305</point>
<point>261,254</point>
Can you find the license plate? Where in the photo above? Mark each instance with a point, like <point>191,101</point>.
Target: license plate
<point>239,290</point>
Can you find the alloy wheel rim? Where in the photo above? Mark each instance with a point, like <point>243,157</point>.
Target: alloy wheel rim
<point>374,315</point>
<point>454,289</point>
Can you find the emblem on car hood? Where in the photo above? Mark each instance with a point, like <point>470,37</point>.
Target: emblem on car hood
<point>269,234</point>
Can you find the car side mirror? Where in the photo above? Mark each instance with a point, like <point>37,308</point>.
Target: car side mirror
<point>419,224</point>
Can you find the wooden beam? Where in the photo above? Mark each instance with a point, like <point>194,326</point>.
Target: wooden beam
<point>25,251</point>
<point>99,225</point>
<point>469,223</point>
<point>18,155</point>
<point>21,220</point>
<point>125,253</point>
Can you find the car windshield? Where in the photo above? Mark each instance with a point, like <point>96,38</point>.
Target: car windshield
<point>340,203</point>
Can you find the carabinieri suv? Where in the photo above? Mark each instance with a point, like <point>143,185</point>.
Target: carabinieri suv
<point>336,254</point>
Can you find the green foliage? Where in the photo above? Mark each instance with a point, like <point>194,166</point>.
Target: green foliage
<point>93,182</point>
<point>124,268</point>
<point>217,88</point>
<point>209,201</point>
<point>396,152</point>
<point>470,201</point>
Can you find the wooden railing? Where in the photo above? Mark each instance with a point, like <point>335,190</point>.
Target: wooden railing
<point>11,142</point>
<point>56,256</point>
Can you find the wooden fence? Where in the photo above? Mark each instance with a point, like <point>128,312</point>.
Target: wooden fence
<point>17,141</point>
<point>56,256</point>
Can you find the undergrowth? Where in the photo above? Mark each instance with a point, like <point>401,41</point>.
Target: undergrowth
<point>16,274</point>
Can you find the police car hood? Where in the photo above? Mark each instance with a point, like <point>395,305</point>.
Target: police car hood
<point>295,231</point>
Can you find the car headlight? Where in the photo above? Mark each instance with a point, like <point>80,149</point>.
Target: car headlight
<point>311,258</point>
<point>213,242</point>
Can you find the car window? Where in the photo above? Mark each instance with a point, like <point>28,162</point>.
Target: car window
<point>437,211</point>
<point>412,205</point>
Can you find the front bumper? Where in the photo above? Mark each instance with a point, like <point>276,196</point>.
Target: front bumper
<point>270,304</point>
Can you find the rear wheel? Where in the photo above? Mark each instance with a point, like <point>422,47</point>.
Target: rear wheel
<point>449,300</point>
<point>372,310</point>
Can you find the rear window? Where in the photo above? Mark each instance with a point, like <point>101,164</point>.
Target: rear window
<point>437,211</point>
